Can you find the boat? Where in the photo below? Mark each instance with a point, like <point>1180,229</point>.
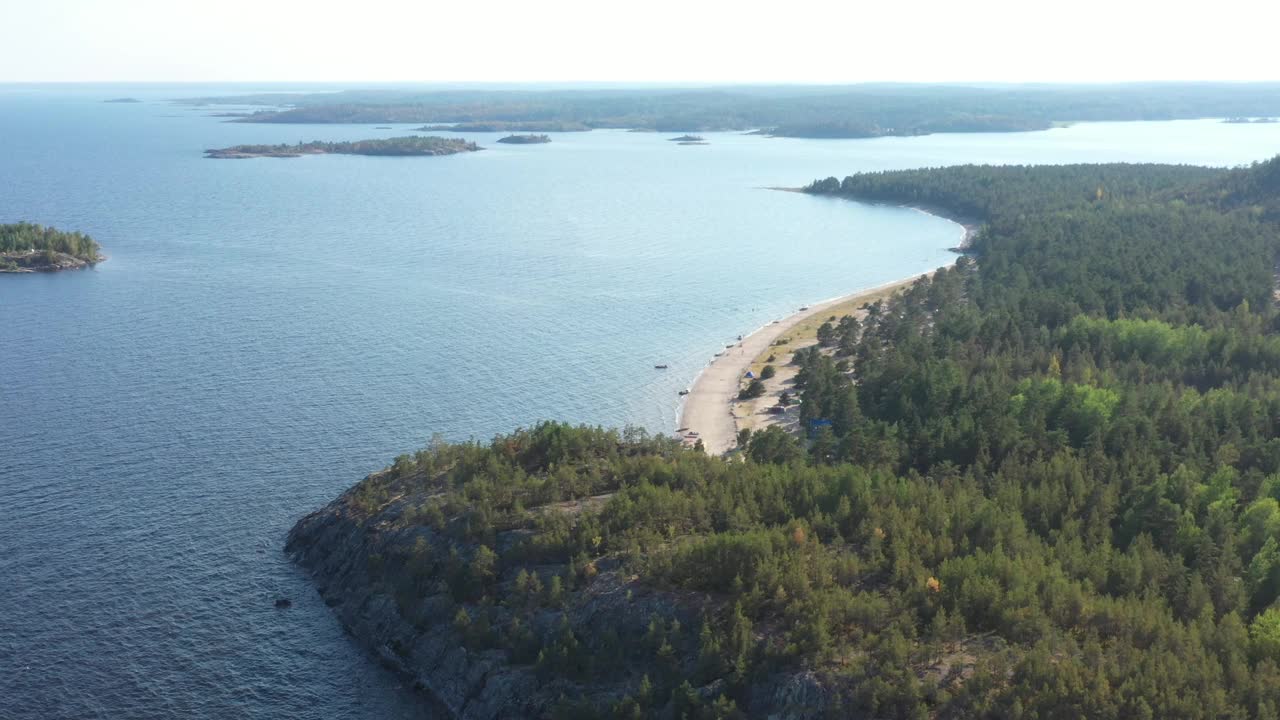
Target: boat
<point>660,367</point>
<point>685,391</point>
<point>806,307</point>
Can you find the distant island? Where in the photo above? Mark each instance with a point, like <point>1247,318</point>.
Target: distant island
<point>848,111</point>
<point>398,146</point>
<point>524,139</point>
<point>123,100</point>
<point>27,247</point>
<point>504,126</point>
<point>689,140</point>
<point>1249,121</point>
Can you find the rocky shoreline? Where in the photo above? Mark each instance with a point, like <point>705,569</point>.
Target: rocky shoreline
<point>39,261</point>
<point>357,561</point>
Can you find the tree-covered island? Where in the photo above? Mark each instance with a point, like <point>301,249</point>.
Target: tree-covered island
<point>398,146</point>
<point>525,139</point>
<point>1042,483</point>
<point>27,247</point>
<point>848,111</point>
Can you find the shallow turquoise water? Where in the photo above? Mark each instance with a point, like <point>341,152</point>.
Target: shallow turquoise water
<point>267,331</point>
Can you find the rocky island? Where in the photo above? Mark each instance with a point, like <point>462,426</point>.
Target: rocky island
<point>525,139</point>
<point>689,140</point>
<point>398,146</point>
<point>27,247</point>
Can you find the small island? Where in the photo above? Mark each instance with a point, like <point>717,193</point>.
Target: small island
<point>27,247</point>
<point>525,139</point>
<point>509,126</point>
<point>689,140</point>
<point>398,146</point>
<point>123,100</point>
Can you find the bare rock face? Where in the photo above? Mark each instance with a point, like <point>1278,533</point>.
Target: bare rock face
<point>800,697</point>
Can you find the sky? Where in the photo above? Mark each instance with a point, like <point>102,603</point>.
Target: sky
<point>746,41</point>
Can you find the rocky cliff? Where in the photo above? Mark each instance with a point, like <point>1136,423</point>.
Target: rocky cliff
<point>586,640</point>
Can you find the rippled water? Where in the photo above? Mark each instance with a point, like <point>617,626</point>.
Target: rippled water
<point>268,331</point>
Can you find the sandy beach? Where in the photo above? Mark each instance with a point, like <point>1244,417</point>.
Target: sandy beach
<point>712,410</point>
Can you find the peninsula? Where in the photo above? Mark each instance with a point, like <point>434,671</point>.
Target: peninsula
<point>525,139</point>
<point>398,146</point>
<point>27,247</point>
<point>1040,481</point>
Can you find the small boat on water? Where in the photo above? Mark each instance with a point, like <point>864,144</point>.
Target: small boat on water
<point>806,307</point>
<point>685,391</point>
<point>729,345</point>
<point>660,367</point>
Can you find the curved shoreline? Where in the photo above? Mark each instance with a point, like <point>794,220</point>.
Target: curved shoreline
<point>708,409</point>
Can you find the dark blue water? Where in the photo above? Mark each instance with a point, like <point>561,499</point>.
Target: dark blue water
<point>268,331</point>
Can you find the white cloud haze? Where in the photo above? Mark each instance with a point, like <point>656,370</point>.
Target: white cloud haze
<point>657,41</point>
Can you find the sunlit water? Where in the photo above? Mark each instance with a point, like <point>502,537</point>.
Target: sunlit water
<point>268,331</point>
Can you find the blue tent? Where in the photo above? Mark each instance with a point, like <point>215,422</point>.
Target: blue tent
<point>750,374</point>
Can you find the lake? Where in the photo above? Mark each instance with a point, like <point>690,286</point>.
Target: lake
<point>268,331</point>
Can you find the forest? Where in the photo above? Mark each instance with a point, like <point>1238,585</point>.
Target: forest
<point>1042,483</point>
<point>849,111</point>
<point>26,245</point>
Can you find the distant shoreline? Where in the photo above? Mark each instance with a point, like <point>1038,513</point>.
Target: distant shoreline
<point>410,146</point>
<point>709,407</point>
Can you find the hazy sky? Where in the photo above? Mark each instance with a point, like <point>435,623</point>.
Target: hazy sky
<point>625,40</point>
